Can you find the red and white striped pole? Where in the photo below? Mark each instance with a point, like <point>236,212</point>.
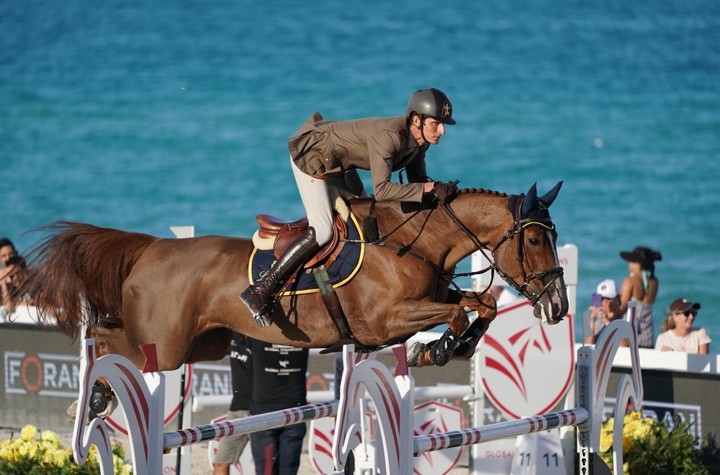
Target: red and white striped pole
<point>246,425</point>
<point>501,430</point>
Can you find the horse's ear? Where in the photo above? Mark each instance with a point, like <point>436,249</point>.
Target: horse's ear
<point>530,200</point>
<point>551,195</point>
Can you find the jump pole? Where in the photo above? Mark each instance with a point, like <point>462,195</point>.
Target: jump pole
<point>501,430</point>
<point>246,425</point>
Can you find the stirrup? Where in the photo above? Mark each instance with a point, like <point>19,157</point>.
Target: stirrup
<point>262,318</point>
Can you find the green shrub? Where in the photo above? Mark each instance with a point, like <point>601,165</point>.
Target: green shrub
<point>650,447</point>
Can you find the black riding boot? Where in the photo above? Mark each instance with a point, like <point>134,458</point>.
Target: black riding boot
<point>297,253</point>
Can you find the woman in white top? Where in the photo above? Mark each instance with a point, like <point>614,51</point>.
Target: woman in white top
<point>680,334</point>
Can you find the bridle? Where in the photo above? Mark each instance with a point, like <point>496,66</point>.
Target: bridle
<point>517,229</point>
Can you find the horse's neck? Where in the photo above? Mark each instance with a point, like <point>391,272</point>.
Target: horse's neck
<point>485,216</point>
<point>438,237</point>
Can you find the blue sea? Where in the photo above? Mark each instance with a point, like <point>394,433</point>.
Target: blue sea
<point>143,115</point>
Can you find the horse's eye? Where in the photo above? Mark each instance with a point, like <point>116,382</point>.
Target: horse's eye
<point>534,241</point>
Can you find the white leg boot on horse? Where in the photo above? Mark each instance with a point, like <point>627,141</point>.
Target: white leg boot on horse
<point>257,296</point>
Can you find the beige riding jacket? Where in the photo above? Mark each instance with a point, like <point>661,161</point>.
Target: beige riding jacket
<point>381,145</point>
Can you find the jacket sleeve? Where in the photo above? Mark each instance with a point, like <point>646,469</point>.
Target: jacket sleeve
<point>383,152</point>
<point>415,170</point>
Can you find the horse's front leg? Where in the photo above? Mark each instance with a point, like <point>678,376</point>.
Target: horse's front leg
<point>412,316</point>
<point>485,306</point>
<point>440,351</point>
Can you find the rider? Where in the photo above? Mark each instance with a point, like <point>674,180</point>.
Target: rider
<point>327,153</point>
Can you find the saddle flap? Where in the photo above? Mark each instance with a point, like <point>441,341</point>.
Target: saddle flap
<point>289,233</point>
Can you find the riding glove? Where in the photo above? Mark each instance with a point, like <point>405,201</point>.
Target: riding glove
<point>445,192</point>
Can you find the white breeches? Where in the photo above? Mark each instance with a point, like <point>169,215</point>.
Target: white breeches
<point>316,199</point>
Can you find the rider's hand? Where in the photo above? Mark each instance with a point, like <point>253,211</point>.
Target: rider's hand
<point>445,192</point>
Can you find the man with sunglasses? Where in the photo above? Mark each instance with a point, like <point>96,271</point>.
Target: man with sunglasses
<point>680,334</point>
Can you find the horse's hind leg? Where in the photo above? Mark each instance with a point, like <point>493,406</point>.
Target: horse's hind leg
<point>114,340</point>
<point>108,340</point>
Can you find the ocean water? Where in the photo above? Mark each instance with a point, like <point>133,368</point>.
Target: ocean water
<point>144,115</point>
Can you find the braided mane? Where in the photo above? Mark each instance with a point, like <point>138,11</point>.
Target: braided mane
<point>481,190</point>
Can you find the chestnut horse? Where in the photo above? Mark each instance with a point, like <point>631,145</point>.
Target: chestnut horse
<point>129,289</point>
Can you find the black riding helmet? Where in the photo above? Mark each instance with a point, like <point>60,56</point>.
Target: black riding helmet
<point>431,103</point>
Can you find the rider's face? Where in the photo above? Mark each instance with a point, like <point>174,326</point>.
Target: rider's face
<point>432,129</point>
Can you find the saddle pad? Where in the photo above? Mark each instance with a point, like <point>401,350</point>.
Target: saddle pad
<point>341,271</point>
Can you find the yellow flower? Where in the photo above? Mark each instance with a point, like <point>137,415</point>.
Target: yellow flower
<point>50,436</point>
<point>24,450</point>
<point>60,457</point>
<point>606,440</point>
<point>28,432</point>
<point>7,453</point>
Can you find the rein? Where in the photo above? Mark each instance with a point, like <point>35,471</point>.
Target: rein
<point>518,228</point>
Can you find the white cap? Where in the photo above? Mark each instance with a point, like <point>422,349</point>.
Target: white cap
<point>607,289</point>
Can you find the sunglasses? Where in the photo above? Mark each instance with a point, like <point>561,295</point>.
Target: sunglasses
<point>687,313</point>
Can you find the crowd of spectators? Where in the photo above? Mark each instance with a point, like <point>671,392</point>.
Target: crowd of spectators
<point>641,286</point>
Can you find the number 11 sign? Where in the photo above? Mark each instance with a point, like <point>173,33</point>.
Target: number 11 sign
<point>539,454</point>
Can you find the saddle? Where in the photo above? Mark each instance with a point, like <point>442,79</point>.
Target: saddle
<point>283,233</point>
<point>277,234</point>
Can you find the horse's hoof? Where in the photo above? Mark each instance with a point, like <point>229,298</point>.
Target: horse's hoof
<point>413,354</point>
<point>110,407</point>
<point>262,320</point>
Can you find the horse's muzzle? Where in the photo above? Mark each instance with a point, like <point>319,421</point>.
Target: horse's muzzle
<point>553,305</point>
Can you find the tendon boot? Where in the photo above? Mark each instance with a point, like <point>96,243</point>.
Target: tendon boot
<point>257,296</point>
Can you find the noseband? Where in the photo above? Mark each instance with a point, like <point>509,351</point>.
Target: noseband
<point>518,228</point>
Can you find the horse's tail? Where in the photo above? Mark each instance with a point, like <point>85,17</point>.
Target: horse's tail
<point>78,273</point>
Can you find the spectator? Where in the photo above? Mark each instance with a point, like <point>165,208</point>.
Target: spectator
<point>7,251</point>
<point>279,379</point>
<point>231,448</point>
<point>642,286</point>
<point>680,335</point>
<point>609,310</point>
<point>16,275</point>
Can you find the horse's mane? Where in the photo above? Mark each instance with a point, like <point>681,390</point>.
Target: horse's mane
<point>78,272</point>
<point>363,204</point>
<point>464,191</point>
